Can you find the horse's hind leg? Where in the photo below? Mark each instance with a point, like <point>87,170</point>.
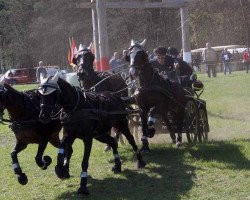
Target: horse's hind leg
<point>126,132</point>
<point>22,178</point>
<point>41,161</point>
<point>111,141</point>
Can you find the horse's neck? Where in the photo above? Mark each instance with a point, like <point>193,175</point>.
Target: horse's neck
<point>69,95</point>
<point>15,104</point>
<point>147,75</point>
<point>91,80</point>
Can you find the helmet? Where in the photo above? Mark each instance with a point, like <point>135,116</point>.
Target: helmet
<point>173,51</point>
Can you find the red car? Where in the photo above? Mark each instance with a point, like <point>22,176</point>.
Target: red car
<point>20,76</point>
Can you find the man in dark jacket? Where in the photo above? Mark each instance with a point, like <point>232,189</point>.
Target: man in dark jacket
<point>162,62</point>
<point>183,71</point>
<point>226,57</point>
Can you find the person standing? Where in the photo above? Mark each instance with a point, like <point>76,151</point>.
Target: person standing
<point>246,59</point>
<point>115,63</point>
<point>226,57</point>
<point>40,72</point>
<point>210,59</point>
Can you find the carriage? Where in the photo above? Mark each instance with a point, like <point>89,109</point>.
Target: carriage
<point>196,119</point>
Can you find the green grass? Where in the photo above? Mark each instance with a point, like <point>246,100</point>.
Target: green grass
<point>219,169</point>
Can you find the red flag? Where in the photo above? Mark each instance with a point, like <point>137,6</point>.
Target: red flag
<point>73,50</point>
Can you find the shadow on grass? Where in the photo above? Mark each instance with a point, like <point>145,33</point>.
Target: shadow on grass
<point>224,152</point>
<point>165,177</point>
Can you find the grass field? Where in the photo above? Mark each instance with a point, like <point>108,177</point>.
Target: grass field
<point>219,169</point>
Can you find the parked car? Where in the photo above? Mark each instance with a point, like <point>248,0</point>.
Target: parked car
<point>20,76</point>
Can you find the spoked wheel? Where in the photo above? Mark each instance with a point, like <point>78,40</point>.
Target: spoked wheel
<point>192,122</point>
<point>204,126</point>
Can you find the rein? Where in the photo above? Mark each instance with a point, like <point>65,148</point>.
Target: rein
<point>93,87</point>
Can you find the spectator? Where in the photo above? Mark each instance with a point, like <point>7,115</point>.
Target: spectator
<point>226,57</point>
<point>40,72</point>
<point>209,58</point>
<point>246,59</point>
<point>115,63</point>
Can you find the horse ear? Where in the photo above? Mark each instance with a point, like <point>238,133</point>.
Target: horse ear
<point>90,47</point>
<point>80,47</point>
<point>55,78</point>
<point>132,43</point>
<point>143,42</point>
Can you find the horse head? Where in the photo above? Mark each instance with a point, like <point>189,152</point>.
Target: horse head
<point>137,57</point>
<point>50,96</point>
<point>84,59</point>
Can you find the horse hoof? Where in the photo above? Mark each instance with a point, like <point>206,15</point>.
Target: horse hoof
<point>22,179</point>
<point>47,160</point>
<point>140,164</point>
<point>82,192</point>
<point>59,172</point>
<point>178,144</point>
<point>145,149</point>
<point>107,148</point>
<point>116,169</point>
<point>151,132</point>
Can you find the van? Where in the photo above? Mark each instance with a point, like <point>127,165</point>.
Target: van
<point>20,76</point>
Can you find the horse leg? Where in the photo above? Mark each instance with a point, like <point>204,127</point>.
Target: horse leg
<point>64,150</point>
<point>42,162</point>
<point>180,120</point>
<point>126,132</point>
<point>168,124</point>
<point>108,147</point>
<point>151,121</point>
<point>144,138</point>
<point>83,190</point>
<point>111,141</point>
<point>22,178</point>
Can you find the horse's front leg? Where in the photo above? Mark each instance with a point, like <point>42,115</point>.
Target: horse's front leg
<point>64,151</point>
<point>41,161</point>
<point>151,121</point>
<point>83,190</point>
<point>22,178</point>
<point>144,139</point>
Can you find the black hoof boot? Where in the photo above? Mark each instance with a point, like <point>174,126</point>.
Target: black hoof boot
<point>47,160</point>
<point>151,132</point>
<point>140,164</point>
<point>83,191</point>
<point>117,168</point>
<point>60,172</point>
<point>145,149</point>
<point>22,179</point>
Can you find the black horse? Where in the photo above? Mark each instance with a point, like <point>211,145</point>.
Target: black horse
<point>98,81</point>
<point>23,109</point>
<point>86,116</point>
<point>155,95</point>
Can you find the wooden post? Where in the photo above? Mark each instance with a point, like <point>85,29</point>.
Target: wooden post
<point>95,38</point>
<point>186,46</point>
<point>103,34</point>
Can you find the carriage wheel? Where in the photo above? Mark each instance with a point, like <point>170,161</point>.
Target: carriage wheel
<point>192,122</point>
<point>204,127</point>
